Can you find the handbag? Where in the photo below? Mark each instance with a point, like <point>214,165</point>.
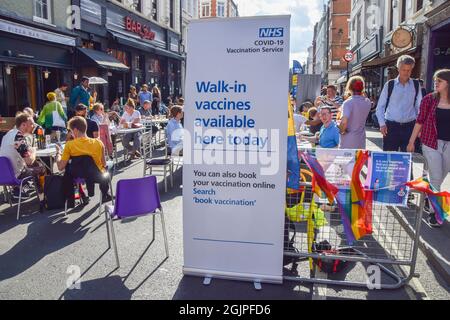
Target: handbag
<point>58,121</point>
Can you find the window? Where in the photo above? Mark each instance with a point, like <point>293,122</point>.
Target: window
<point>403,10</point>
<point>206,9</point>
<point>419,4</point>
<point>172,14</point>
<point>134,4</point>
<point>154,12</point>
<point>42,11</point>
<point>220,9</point>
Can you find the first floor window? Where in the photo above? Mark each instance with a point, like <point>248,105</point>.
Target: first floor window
<point>206,9</point>
<point>42,10</point>
<point>220,9</point>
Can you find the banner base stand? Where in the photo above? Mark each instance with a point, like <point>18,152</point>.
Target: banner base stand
<point>257,279</point>
<point>207,281</point>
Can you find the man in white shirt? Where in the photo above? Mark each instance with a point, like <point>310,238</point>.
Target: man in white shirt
<point>131,118</point>
<point>17,148</point>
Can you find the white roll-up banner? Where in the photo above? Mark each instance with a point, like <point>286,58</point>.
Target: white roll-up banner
<point>235,144</point>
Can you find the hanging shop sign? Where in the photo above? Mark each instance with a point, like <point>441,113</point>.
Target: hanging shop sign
<point>140,29</point>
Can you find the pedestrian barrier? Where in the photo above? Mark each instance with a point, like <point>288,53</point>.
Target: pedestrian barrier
<point>316,249</point>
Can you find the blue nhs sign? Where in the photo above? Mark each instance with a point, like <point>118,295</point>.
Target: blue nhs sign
<point>270,32</point>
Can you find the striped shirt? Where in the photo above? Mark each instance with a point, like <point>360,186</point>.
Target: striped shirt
<point>334,110</point>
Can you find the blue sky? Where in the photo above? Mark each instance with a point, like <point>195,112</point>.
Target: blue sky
<point>304,14</point>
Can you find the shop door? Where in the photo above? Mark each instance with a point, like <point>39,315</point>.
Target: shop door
<point>20,89</point>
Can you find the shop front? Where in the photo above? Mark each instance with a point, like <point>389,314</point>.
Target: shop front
<point>439,52</point>
<point>149,51</point>
<point>154,51</point>
<point>366,64</point>
<point>33,62</point>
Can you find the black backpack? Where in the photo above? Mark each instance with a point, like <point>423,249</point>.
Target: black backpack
<point>331,266</point>
<point>391,84</point>
<point>53,192</point>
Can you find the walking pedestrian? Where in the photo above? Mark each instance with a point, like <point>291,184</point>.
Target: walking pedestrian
<point>61,96</point>
<point>80,94</point>
<point>433,125</point>
<point>398,107</point>
<point>52,117</point>
<point>355,112</point>
<point>144,95</point>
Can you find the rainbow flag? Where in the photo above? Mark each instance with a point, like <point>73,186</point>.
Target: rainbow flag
<point>355,205</point>
<point>293,162</point>
<point>319,181</point>
<point>440,201</point>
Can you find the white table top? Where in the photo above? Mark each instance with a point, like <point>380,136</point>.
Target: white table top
<point>131,130</point>
<point>50,151</point>
<point>304,145</point>
<point>151,121</point>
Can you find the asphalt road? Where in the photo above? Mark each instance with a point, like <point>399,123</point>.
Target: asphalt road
<point>41,253</point>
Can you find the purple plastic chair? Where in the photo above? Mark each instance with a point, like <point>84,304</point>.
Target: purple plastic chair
<point>136,198</point>
<point>8,178</point>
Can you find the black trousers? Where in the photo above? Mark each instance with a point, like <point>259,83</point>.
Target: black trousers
<point>398,135</point>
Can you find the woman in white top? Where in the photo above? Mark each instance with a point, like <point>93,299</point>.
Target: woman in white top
<point>175,131</point>
<point>131,118</point>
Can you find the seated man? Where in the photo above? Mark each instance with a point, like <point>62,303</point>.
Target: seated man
<point>92,126</point>
<point>328,136</point>
<point>146,109</point>
<point>131,119</point>
<point>17,148</point>
<point>81,146</point>
<point>175,131</point>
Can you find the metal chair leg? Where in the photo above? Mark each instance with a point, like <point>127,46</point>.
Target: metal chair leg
<point>165,179</point>
<point>20,200</point>
<point>112,192</point>
<point>153,233</point>
<point>171,174</point>
<point>100,204</point>
<point>111,225</point>
<point>107,229</point>
<point>164,233</point>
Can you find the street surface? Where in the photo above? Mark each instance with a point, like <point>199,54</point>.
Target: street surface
<point>41,253</point>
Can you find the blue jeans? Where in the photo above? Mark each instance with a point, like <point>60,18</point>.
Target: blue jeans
<point>136,138</point>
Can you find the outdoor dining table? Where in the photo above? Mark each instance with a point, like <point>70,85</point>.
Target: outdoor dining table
<point>50,153</point>
<point>124,131</point>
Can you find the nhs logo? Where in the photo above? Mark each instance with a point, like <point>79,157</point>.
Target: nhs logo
<point>271,32</point>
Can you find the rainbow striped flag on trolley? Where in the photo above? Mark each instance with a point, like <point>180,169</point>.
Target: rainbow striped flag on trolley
<point>320,183</point>
<point>293,162</point>
<point>440,201</point>
<point>355,205</point>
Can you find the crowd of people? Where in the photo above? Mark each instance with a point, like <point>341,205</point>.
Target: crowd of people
<point>89,133</point>
<point>409,119</point>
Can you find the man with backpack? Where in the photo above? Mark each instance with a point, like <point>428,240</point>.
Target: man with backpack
<point>398,107</point>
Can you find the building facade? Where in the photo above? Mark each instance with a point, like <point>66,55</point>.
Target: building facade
<point>144,37</point>
<point>36,52</point>
<point>44,43</point>
<point>383,30</point>
<point>321,46</point>
<point>310,61</point>
<point>338,38</point>
<point>217,9</point>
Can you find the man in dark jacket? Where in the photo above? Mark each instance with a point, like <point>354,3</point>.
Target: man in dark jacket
<point>88,161</point>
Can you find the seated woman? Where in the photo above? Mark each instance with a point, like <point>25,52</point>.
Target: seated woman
<point>131,118</point>
<point>175,131</point>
